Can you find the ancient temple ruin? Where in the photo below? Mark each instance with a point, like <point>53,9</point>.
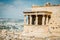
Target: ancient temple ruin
<point>43,22</point>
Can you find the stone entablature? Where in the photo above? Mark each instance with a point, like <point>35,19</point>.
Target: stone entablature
<point>38,13</point>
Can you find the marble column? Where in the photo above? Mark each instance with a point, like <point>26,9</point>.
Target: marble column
<point>47,20</point>
<point>30,20</point>
<point>36,20</point>
<point>43,19</point>
<point>24,19</point>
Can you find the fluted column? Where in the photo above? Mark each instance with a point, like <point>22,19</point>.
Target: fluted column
<point>43,19</point>
<point>30,20</point>
<point>36,20</point>
<point>47,20</point>
<point>24,19</point>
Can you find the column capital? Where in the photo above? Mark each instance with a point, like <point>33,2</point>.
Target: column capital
<point>24,15</point>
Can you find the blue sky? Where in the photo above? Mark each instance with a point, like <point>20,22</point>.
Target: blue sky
<point>15,8</point>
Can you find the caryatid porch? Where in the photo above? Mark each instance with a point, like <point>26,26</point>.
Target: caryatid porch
<point>37,18</point>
